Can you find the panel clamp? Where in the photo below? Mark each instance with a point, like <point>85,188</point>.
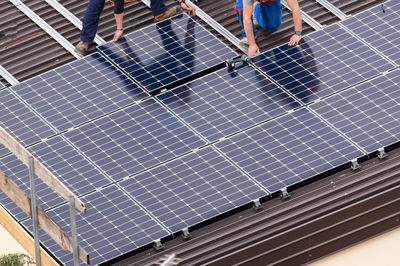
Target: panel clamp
<point>257,205</point>
<point>231,63</point>
<point>186,234</point>
<point>355,165</point>
<point>382,154</point>
<point>158,245</point>
<point>284,194</point>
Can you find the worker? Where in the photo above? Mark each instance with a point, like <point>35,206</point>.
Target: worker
<point>266,14</point>
<point>92,16</point>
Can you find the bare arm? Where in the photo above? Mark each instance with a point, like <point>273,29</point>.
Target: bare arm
<point>248,29</point>
<point>296,14</point>
<point>119,17</point>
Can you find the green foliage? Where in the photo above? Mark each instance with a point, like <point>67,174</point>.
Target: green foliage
<point>16,259</point>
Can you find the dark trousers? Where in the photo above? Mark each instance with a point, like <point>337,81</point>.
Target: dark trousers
<point>92,16</point>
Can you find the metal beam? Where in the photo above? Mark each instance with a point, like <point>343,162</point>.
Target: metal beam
<point>306,18</point>
<point>7,76</point>
<point>40,170</point>
<point>46,27</point>
<point>333,9</point>
<point>72,18</point>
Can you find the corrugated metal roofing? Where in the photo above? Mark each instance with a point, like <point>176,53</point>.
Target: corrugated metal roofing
<point>27,51</point>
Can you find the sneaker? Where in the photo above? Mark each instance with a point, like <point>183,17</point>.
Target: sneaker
<point>169,13</point>
<point>244,42</point>
<point>82,48</point>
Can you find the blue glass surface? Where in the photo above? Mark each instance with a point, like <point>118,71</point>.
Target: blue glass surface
<point>113,225</point>
<point>20,121</point>
<point>160,54</point>
<point>227,101</point>
<point>288,149</point>
<point>78,92</point>
<point>368,114</point>
<point>192,189</point>
<point>2,85</point>
<point>134,139</point>
<point>379,29</point>
<point>325,62</point>
<point>66,163</point>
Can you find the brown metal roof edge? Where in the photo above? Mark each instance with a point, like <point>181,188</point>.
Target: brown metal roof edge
<point>319,219</point>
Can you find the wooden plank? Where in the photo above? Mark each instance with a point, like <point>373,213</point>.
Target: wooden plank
<point>45,222</point>
<point>23,238</point>
<point>40,170</point>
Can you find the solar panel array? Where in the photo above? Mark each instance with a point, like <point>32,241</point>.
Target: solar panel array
<point>227,101</point>
<point>325,62</point>
<point>162,53</point>
<point>368,114</point>
<point>379,29</point>
<point>148,167</point>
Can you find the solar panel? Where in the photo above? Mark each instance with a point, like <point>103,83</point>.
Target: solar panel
<point>134,139</point>
<point>289,149</point>
<point>192,189</point>
<point>20,121</point>
<point>227,101</point>
<point>368,114</point>
<point>2,85</point>
<point>325,62</point>
<point>66,163</point>
<point>114,225</point>
<point>379,28</point>
<point>162,53</point>
<point>78,92</point>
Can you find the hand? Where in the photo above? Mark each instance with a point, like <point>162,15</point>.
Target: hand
<point>253,49</point>
<point>295,39</point>
<point>117,35</point>
<point>191,11</point>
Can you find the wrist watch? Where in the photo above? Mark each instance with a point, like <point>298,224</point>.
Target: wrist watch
<point>297,33</point>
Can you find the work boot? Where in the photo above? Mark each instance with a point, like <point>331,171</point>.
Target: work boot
<point>82,48</point>
<point>169,13</point>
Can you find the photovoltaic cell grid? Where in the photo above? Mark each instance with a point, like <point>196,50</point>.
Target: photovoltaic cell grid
<point>227,101</point>
<point>162,53</point>
<point>192,189</point>
<point>368,114</point>
<point>20,121</point>
<point>379,29</point>
<point>325,62</point>
<point>78,92</point>
<point>2,85</point>
<point>288,150</point>
<point>65,162</point>
<point>114,225</point>
<point>134,139</point>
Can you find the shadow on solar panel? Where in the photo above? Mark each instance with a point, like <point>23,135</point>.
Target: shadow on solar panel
<point>167,52</point>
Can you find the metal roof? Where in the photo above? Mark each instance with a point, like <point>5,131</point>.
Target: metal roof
<point>322,217</point>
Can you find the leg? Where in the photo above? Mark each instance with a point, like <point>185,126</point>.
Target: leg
<point>161,12</point>
<point>91,20</point>
<point>239,13</point>
<point>157,7</point>
<point>269,16</point>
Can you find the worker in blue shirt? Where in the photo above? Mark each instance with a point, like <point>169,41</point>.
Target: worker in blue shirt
<point>267,14</point>
<point>92,16</point>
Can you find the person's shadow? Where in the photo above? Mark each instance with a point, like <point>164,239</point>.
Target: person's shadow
<point>161,67</point>
<point>295,70</point>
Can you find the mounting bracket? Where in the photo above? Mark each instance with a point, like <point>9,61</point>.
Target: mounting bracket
<point>382,154</point>
<point>186,234</point>
<point>257,205</point>
<point>284,194</point>
<point>355,165</point>
<point>158,245</point>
